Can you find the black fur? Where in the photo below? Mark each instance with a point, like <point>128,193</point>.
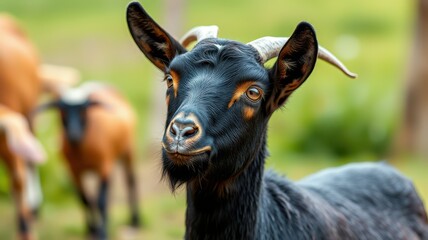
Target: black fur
<point>102,207</point>
<point>23,225</point>
<point>229,195</point>
<point>73,117</point>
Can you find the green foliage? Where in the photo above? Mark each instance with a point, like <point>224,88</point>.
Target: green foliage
<point>349,122</point>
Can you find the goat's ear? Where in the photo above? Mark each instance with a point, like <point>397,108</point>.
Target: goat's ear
<point>295,62</point>
<point>158,46</point>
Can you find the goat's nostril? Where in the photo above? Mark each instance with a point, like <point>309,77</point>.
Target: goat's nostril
<point>174,129</point>
<point>189,131</point>
<point>183,128</point>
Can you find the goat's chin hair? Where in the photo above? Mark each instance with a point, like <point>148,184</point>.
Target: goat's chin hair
<point>177,175</point>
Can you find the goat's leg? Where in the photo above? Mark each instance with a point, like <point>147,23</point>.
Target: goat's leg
<point>33,189</point>
<point>91,226</point>
<point>104,174</point>
<point>16,169</point>
<point>132,190</point>
<point>102,207</point>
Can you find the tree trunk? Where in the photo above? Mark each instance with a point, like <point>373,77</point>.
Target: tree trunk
<point>414,132</point>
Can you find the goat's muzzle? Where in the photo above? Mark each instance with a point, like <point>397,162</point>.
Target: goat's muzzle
<point>183,139</point>
<point>183,129</point>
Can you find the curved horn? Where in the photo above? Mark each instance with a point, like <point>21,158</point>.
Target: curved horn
<point>198,34</point>
<point>269,47</point>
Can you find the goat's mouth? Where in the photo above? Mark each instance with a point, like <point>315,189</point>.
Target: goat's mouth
<point>184,156</point>
<point>181,166</point>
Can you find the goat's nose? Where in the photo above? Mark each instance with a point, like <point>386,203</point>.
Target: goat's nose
<point>183,128</point>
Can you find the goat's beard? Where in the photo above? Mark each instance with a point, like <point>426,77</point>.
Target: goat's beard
<point>178,174</point>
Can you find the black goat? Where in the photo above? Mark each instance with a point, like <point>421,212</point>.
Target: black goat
<point>220,98</point>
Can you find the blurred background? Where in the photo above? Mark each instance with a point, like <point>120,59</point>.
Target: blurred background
<point>331,120</point>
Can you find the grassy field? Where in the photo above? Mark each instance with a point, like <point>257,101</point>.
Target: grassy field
<point>330,121</point>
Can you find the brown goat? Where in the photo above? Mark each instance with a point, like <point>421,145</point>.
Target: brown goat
<point>17,137</point>
<point>98,129</point>
<point>16,145</point>
<point>20,85</point>
<point>20,88</point>
<point>22,80</point>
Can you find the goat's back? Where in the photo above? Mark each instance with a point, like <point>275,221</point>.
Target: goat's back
<point>111,125</point>
<point>372,198</point>
<point>19,81</point>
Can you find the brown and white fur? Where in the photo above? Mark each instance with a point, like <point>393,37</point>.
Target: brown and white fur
<point>98,129</point>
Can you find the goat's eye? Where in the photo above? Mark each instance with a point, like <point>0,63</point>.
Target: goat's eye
<point>254,93</point>
<point>168,80</point>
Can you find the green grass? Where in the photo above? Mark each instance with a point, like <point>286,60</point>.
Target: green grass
<point>331,120</point>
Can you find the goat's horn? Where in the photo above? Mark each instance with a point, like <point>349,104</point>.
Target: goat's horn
<point>198,34</point>
<point>269,47</point>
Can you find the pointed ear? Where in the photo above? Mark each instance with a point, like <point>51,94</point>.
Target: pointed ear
<point>158,46</point>
<point>295,62</point>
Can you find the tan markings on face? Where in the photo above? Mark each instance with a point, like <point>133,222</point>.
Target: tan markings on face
<point>175,80</point>
<point>248,112</point>
<point>240,89</point>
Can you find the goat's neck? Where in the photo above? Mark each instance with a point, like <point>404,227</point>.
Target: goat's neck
<point>231,213</point>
